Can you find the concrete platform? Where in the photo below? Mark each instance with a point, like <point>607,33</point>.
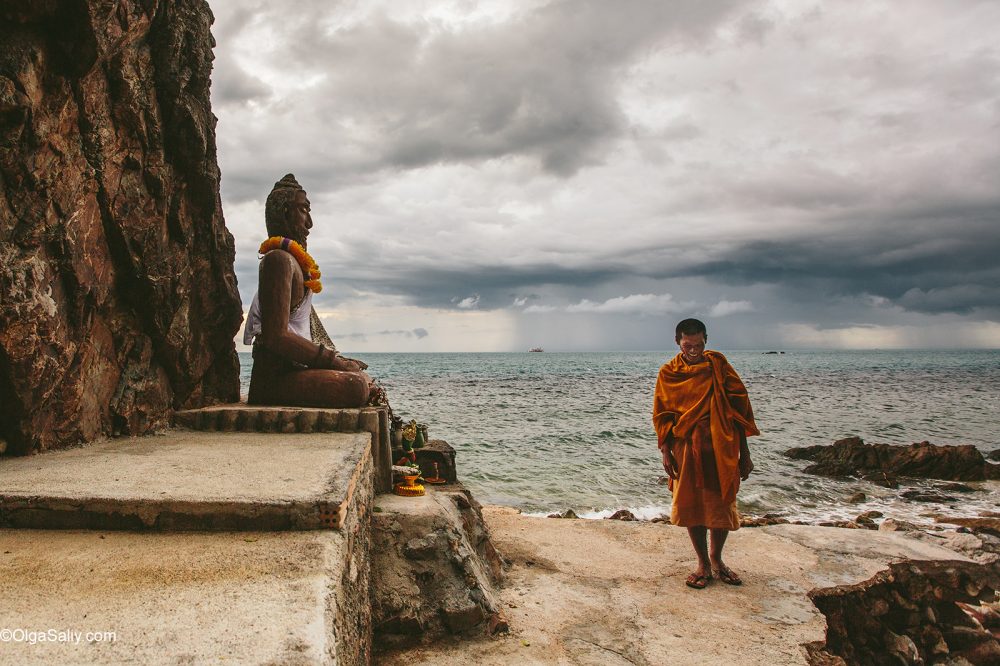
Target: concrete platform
<point>184,480</point>
<point>241,417</point>
<point>87,597</point>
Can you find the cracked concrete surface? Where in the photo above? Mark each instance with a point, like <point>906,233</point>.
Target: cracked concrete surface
<point>183,480</point>
<point>611,592</point>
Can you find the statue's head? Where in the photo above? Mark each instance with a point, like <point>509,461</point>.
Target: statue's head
<point>287,212</point>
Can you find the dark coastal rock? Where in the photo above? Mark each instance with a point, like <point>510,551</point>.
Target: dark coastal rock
<point>844,524</point>
<point>976,525</point>
<point>622,514</point>
<point>856,498</point>
<point>994,455</point>
<point>882,463</point>
<point>893,525</point>
<point>881,478</point>
<point>867,519</point>
<point>955,488</point>
<point>119,296</point>
<point>926,496</point>
<point>761,521</point>
<point>807,452</point>
<point>568,513</point>
<point>909,614</point>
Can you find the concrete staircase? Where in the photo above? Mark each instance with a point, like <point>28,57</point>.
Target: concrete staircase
<point>243,534</point>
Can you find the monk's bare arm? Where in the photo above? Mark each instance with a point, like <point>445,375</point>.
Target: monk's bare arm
<point>746,465</point>
<point>669,462</point>
<point>279,278</point>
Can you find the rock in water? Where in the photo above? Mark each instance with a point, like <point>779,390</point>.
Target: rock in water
<point>893,525</point>
<point>119,296</point>
<point>881,463</point>
<point>568,513</point>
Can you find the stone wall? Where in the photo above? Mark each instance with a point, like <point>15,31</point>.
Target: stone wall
<point>118,300</point>
<point>912,613</point>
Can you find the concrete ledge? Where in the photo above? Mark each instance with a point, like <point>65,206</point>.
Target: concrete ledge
<point>186,480</point>
<point>241,417</point>
<point>246,598</point>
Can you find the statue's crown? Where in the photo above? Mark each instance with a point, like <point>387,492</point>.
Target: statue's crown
<point>287,181</point>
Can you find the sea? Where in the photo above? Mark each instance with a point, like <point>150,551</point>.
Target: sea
<point>545,432</point>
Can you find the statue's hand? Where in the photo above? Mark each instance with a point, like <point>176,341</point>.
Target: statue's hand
<point>361,365</point>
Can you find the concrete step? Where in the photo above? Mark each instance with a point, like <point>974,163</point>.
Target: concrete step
<point>186,586</point>
<point>90,597</point>
<point>184,480</point>
<point>241,417</point>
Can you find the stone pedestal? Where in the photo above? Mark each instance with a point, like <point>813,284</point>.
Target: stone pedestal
<point>240,417</point>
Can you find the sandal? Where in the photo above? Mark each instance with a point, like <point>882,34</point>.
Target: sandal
<point>728,576</point>
<point>697,581</point>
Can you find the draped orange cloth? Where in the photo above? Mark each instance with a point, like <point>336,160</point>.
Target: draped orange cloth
<point>686,396</point>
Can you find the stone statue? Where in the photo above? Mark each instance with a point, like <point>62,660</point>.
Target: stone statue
<point>294,362</point>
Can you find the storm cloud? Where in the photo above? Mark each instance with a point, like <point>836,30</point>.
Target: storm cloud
<point>500,172</point>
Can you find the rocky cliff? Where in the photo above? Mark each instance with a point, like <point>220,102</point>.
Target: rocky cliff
<point>118,299</point>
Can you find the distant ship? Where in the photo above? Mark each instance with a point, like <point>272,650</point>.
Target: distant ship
<point>536,349</point>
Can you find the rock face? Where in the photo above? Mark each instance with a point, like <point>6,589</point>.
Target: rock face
<point>910,614</point>
<point>435,571</point>
<point>119,299</point>
<point>881,463</point>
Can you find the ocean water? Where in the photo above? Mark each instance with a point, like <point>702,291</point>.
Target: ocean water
<point>547,431</point>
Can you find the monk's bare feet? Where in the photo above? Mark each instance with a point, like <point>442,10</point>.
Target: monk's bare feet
<point>726,575</point>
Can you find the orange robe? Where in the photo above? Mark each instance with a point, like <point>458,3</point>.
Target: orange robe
<point>699,407</point>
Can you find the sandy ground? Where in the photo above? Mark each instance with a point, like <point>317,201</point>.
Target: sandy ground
<point>609,592</point>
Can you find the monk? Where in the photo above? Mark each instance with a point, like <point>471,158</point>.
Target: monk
<point>289,367</point>
<point>702,416</point>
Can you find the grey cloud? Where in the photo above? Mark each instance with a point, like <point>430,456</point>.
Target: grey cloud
<point>231,84</point>
<point>355,337</point>
<point>237,87</point>
<point>945,263</point>
<point>947,267</point>
<point>418,333</point>
<point>786,173</point>
<point>961,298</point>
<point>409,333</point>
<point>754,27</point>
<point>435,287</point>
<point>399,95</point>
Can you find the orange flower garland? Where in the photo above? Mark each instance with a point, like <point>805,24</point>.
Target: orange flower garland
<point>309,268</point>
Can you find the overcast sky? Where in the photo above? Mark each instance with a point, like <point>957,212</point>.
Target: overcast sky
<point>491,176</point>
